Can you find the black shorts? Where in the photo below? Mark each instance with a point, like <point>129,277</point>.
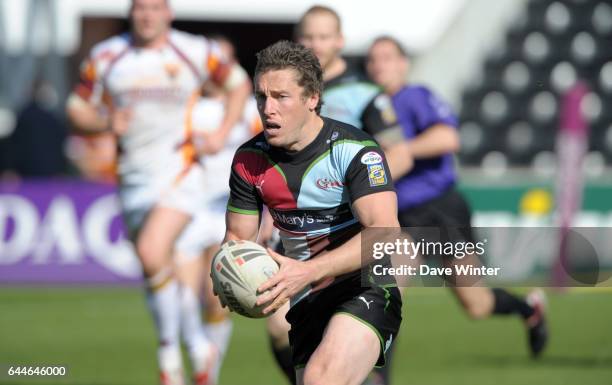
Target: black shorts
<point>378,307</point>
<point>449,212</point>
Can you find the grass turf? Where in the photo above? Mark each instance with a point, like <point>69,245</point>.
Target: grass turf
<point>105,337</point>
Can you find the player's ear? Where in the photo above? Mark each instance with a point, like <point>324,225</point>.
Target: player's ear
<point>312,101</point>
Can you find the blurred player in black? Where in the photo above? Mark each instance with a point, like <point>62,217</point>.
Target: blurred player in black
<point>419,134</point>
<point>346,89</point>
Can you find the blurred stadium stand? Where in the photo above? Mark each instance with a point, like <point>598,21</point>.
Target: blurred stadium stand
<point>503,64</point>
<point>44,41</point>
<point>509,107</point>
<point>522,57</point>
<point>511,114</point>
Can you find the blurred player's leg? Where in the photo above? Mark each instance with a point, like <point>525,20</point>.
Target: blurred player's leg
<point>278,332</point>
<point>218,325</point>
<point>482,302</point>
<point>531,310</point>
<point>197,244</point>
<point>202,353</point>
<point>154,247</point>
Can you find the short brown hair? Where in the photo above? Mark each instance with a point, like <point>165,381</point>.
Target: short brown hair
<point>289,55</point>
<point>388,38</point>
<point>316,9</point>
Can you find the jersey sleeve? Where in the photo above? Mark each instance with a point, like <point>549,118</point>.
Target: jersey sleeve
<point>244,198</point>
<point>217,66</point>
<point>380,121</point>
<point>368,173</point>
<point>428,110</point>
<point>89,87</point>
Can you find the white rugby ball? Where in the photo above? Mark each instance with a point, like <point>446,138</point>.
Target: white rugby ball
<point>237,270</point>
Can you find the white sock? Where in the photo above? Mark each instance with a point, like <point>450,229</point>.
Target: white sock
<point>196,341</point>
<point>169,358</point>
<point>219,333</point>
<point>163,300</point>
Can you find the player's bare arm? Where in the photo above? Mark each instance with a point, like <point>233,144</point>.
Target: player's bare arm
<point>374,210</point>
<point>238,89</point>
<point>87,119</point>
<point>399,158</point>
<point>437,140</point>
<point>241,227</point>
<point>84,116</point>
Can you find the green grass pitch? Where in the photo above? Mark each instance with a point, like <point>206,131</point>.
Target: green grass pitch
<point>105,337</point>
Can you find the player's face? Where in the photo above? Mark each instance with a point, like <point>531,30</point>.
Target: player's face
<point>320,33</point>
<point>386,66</point>
<point>283,107</point>
<point>150,19</point>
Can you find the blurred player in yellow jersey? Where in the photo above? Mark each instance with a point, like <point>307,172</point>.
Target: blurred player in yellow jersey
<point>142,86</point>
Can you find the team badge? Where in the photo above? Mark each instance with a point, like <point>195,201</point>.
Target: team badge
<point>377,175</point>
<point>172,69</point>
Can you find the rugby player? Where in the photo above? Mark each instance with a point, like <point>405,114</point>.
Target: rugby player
<point>141,86</point>
<point>339,329</point>
<point>346,93</point>
<point>419,134</point>
<point>346,90</point>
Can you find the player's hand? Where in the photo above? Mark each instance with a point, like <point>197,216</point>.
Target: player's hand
<point>212,142</point>
<point>292,277</point>
<point>120,120</point>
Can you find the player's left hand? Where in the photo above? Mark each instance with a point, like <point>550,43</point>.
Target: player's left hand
<point>292,277</point>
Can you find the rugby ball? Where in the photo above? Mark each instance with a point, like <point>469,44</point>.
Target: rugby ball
<point>237,270</point>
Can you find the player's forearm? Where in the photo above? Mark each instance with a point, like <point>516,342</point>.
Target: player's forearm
<point>399,159</point>
<point>438,140</point>
<point>236,99</point>
<point>85,118</point>
<point>235,236</point>
<point>347,258</point>
<point>241,227</point>
<point>374,211</point>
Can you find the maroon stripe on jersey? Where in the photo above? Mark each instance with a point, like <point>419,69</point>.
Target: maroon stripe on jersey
<point>184,58</point>
<point>114,61</point>
<point>254,167</point>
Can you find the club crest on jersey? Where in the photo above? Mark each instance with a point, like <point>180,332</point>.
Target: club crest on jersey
<point>371,158</point>
<point>377,175</point>
<point>325,183</point>
<point>172,69</point>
